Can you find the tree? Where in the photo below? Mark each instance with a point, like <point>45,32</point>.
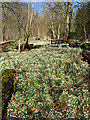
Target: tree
<point>64,11</point>
<point>82,17</point>
<point>88,22</point>
<point>54,28</point>
<point>28,26</point>
<point>13,18</point>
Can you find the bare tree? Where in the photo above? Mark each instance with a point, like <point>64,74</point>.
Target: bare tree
<point>13,20</point>
<point>82,17</point>
<point>65,13</point>
<point>29,23</point>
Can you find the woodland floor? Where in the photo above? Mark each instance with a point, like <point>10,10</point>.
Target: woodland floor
<point>52,82</point>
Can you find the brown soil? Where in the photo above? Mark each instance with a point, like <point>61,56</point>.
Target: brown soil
<point>73,44</point>
<point>5,47</point>
<point>86,55</point>
<point>28,47</point>
<point>37,38</point>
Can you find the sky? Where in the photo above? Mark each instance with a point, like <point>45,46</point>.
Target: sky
<point>43,0</point>
<point>57,0</point>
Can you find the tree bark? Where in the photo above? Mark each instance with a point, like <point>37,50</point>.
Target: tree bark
<point>3,31</point>
<point>67,26</point>
<point>53,32</point>
<point>53,26</point>
<point>59,32</point>
<point>85,33</point>
<point>19,46</point>
<point>28,27</point>
<point>38,32</point>
<point>68,19</point>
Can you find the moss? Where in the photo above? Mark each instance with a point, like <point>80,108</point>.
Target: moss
<point>7,87</point>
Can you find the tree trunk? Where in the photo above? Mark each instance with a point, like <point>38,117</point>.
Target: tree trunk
<point>67,26</point>
<point>38,32</point>
<point>24,41</point>
<point>67,22</point>
<point>30,22</point>
<point>68,19</point>
<point>19,46</point>
<point>1,26</point>
<point>53,30</point>
<point>85,33</point>
<point>3,31</point>
<point>28,27</point>
<point>59,31</point>
<point>19,38</point>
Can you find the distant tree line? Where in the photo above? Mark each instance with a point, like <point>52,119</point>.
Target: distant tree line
<point>83,20</point>
<point>55,20</point>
